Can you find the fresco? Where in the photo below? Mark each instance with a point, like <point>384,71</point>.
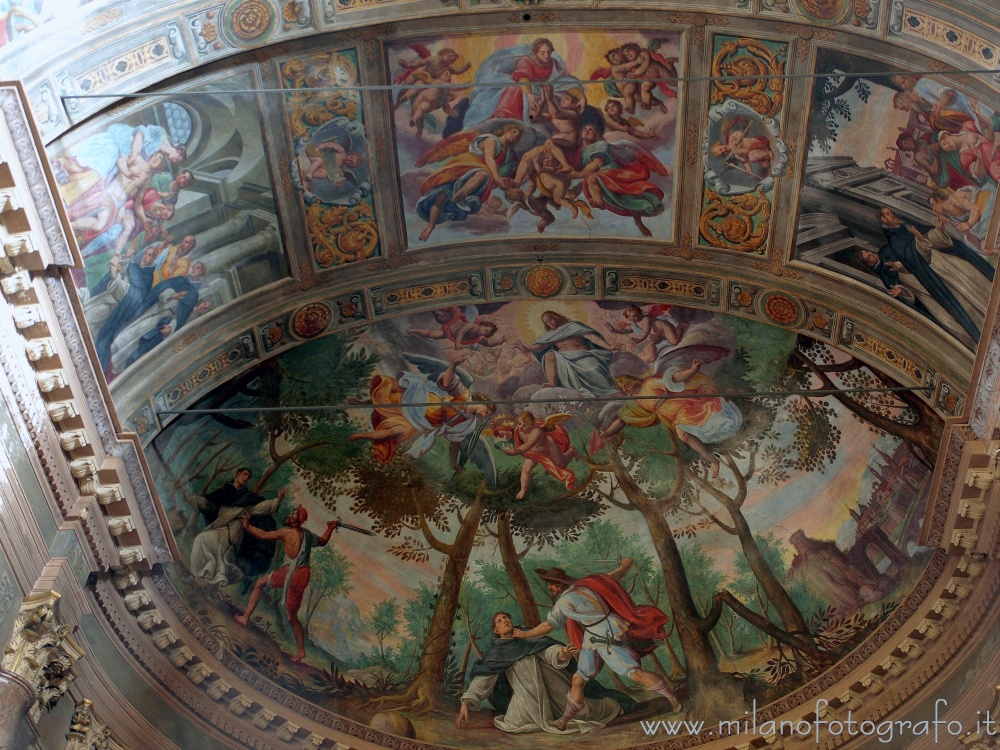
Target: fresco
<point>172,208</point>
<point>479,465</point>
<point>331,168</point>
<point>743,153</point>
<point>18,18</point>
<point>901,182</point>
<point>536,143</point>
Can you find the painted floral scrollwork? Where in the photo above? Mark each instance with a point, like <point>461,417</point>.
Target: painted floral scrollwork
<point>740,222</point>
<point>341,234</point>
<point>752,73</point>
<point>331,165</point>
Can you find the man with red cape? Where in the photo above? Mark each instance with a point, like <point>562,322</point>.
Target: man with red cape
<point>607,627</point>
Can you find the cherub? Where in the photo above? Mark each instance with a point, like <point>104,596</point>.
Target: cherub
<point>457,328</point>
<point>621,71</point>
<point>545,167</point>
<point>426,69</point>
<point>329,165</point>
<point>652,66</point>
<point>544,442</point>
<point>654,326</point>
<point>617,122</point>
<point>743,148</point>
<point>678,400</point>
<point>426,100</point>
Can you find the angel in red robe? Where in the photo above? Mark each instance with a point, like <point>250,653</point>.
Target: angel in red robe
<point>616,176</point>
<point>544,442</point>
<point>456,327</point>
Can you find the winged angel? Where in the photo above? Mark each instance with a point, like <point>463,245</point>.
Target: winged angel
<point>419,408</point>
<point>546,442</point>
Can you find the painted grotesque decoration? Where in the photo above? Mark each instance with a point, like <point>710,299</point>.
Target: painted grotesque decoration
<point>904,168</point>
<point>532,145</point>
<point>547,517</point>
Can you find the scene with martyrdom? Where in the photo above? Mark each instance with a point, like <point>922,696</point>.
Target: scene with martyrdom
<point>534,520</point>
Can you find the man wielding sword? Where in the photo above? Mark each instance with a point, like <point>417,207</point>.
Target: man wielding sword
<point>607,627</point>
<point>293,576</point>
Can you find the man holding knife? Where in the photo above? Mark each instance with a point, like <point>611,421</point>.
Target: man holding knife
<point>293,575</point>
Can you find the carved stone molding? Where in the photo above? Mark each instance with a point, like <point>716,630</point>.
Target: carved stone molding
<point>42,653</point>
<point>26,149</point>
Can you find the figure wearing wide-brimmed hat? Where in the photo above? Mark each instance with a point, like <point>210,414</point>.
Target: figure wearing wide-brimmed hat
<point>607,627</point>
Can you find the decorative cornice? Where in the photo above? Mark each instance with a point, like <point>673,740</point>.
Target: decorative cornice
<point>96,400</point>
<point>25,144</point>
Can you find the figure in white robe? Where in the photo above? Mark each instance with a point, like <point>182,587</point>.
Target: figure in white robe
<point>573,356</point>
<point>214,551</point>
<point>537,682</point>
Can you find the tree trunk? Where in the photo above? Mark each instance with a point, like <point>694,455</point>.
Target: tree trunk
<point>787,610</point>
<point>717,642</point>
<point>460,681</point>
<point>424,693</point>
<point>676,670</point>
<point>925,433</point>
<point>518,579</point>
<point>714,694</point>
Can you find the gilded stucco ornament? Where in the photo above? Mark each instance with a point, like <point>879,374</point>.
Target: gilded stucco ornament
<point>41,652</point>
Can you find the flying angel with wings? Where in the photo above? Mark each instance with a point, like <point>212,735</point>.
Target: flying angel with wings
<point>679,396</point>
<point>419,408</point>
<point>462,327</point>
<point>475,162</point>
<point>545,442</point>
<point>426,68</point>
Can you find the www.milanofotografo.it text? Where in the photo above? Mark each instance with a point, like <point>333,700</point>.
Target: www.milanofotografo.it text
<point>819,728</point>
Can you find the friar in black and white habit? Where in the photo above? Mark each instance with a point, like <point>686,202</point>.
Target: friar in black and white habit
<point>527,680</point>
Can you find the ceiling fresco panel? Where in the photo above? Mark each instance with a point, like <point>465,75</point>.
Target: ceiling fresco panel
<point>533,145</point>
<point>899,189</point>
<point>743,151</point>
<point>608,448</point>
<point>173,210</point>
<point>331,165</point>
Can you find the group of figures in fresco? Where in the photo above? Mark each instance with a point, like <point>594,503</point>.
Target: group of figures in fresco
<point>121,189</point>
<point>594,445</point>
<point>944,146</point>
<point>529,134</point>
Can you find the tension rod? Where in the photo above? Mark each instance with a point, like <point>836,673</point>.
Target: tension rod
<point>528,402</point>
<point>500,85</point>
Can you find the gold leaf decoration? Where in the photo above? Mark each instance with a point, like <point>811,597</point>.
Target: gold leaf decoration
<point>752,75</point>
<point>740,222</point>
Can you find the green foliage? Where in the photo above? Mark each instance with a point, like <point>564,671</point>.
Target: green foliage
<point>385,621</point>
<point>703,579</point>
<point>763,353</point>
<point>324,371</point>
<point>385,618</point>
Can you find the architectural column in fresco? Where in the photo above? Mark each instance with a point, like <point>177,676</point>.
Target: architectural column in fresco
<point>223,258</point>
<point>237,228</point>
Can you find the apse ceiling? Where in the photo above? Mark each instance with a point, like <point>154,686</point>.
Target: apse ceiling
<point>624,223</point>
